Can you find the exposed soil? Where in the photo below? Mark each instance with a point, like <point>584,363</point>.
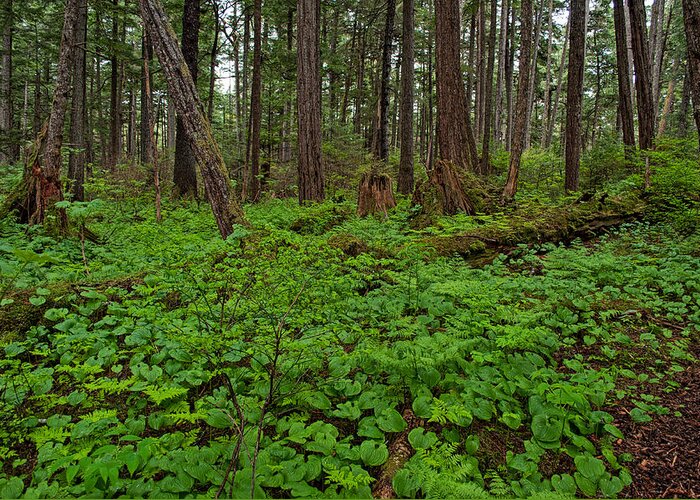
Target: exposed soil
<point>666,450</point>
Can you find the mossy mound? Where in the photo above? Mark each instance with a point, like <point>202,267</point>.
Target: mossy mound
<point>350,244</point>
<point>322,218</point>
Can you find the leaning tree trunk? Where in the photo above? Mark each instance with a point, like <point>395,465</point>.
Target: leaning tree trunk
<point>691,17</point>
<point>405,180</point>
<point>623,79</point>
<point>375,195</point>
<point>185,99</point>
<point>522,104</point>
<point>310,166</point>
<point>185,167</point>
<point>574,93</point>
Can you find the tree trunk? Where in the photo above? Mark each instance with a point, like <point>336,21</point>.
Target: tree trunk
<point>78,124</point>
<point>45,185</point>
<point>510,68</point>
<point>668,101</point>
<point>115,96</point>
<point>150,151</point>
<point>253,192</point>
<point>375,195</point>
<point>691,19</point>
<point>522,104</point>
<point>405,179</point>
<point>382,143</point>
<point>683,108</point>
<point>533,74</point>
<point>212,63</point>
<point>184,96</point>
<point>560,84</point>
<point>574,93</point>
<point>9,145</point>
<point>548,78</point>
<point>185,167</point>
<point>623,80</point>
<point>500,78</point>
<point>310,166</point>
<point>488,94</point>
<point>146,103</point>
<point>455,136</point>
<point>646,108</point>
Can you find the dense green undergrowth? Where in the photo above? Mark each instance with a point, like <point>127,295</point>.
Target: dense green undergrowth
<point>318,337</point>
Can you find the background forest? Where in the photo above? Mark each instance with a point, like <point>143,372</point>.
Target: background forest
<point>349,249</point>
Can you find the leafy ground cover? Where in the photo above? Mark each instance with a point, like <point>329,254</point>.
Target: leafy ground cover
<point>326,355</point>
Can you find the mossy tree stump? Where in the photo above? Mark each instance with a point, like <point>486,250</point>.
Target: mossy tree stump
<point>375,195</point>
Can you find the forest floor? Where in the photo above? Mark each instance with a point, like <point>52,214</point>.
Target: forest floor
<point>510,354</point>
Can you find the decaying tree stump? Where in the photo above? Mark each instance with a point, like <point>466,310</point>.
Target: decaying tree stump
<point>375,195</point>
<point>446,192</point>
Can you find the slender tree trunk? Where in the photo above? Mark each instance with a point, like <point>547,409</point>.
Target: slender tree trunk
<point>657,37</point>
<point>548,78</point>
<point>255,105</point>
<point>78,123</point>
<point>212,63</point>
<point>668,101</point>
<point>509,80</point>
<point>115,95</point>
<point>149,150</point>
<point>182,89</point>
<point>560,84</point>
<point>146,103</point>
<point>623,81</point>
<point>405,178</point>
<point>500,79</point>
<point>185,167</point>
<point>9,145</point>
<point>533,73</point>
<point>683,108</point>
<point>574,93</point>
<point>382,151</point>
<point>310,165</point>
<point>480,75</point>
<point>488,94</point>
<point>691,20</point>
<point>525,60</point>
<point>645,106</point>
<point>471,74</point>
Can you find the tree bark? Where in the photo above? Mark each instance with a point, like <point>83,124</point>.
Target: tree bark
<point>574,93</point>
<point>522,104</point>
<point>623,80</point>
<point>455,136</point>
<point>212,63</point>
<point>488,94</point>
<point>115,95</point>
<point>382,152</point>
<point>548,78</point>
<point>691,19</point>
<point>560,84</point>
<point>46,188</point>
<point>185,167</point>
<point>500,79</point>
<point>646,109</point>
<point>146,103</point>
<point>9,145</point>
<point>253,192</point>
<point>310,166</point>
<point>78,124</point>
<point>183,92</point>
<point>405,178</point>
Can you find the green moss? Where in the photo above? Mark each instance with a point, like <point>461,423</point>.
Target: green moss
<point>350,245</point>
